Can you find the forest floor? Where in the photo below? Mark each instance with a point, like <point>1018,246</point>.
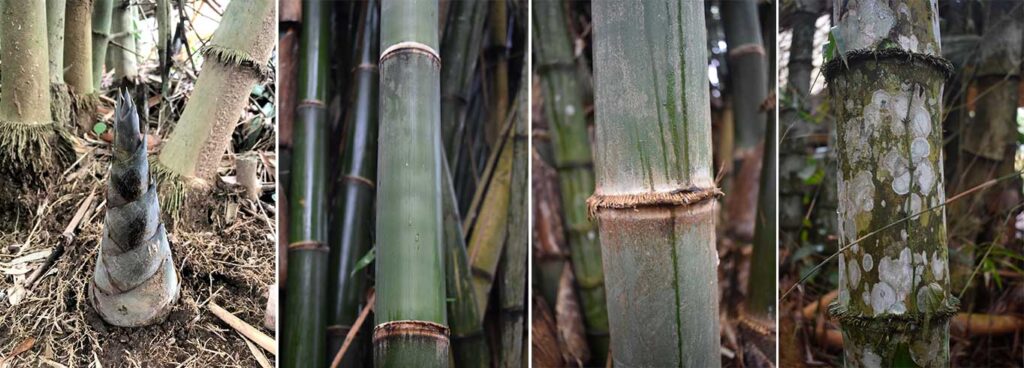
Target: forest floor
<point>229,261</point>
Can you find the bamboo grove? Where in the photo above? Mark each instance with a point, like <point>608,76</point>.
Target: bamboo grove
<point>637,253</point>
<point>403,143</point>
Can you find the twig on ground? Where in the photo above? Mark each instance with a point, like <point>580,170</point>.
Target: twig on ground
<point>245,329</point>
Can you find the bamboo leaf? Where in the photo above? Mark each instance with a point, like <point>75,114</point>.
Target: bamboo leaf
<point>364,261</point>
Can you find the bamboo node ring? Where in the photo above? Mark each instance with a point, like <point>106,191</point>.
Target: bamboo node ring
<point>409,328</point>
<point>412,47</point>
<point>308,245</point>
<point>359,180</point>
<point>680,197</point>
<point>311,103</point>
<point>750,48</point>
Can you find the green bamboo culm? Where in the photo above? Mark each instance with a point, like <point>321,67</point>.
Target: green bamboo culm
<point>102,14</point>
<point>886,87</point>
<point>511,277</point>
<point>351,233</point>
<point>135,283</point>
<point>553,52</point>
<point>469,344</point>
<point>411,319</point>
<point>460,49</point>
<point>305,313</point>
<point>748,69</point>
<point>656,196</point>
<point>78,62</point>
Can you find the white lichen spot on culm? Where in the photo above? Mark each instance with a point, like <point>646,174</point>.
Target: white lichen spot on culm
<point>938,266</point>
<point>854,272</point>
<point>868,262</point>
<point>896,277</point>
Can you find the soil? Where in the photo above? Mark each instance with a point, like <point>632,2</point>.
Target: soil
<point>230,263</point>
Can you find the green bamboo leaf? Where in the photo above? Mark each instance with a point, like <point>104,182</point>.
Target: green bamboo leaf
<point>365,260</point>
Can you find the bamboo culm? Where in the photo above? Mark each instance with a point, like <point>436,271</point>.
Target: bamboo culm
<point>573,160</point>
<point>469,344</point>
<point>512,271</point>
<point>886,87</point>
<point>102,14</point>
<point>305,312</point>
<point>351,234</point>
<point>411,319</point>
<point>655,200</point>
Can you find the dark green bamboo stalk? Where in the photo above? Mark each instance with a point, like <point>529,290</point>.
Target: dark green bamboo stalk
<point>748,69</point>
<point>468,341</point>
<point>305,313</point>
<point>757,322</point>
<point>102,14</point>
<point>512,271</point>
<point>460,48</point>
<point>759,315</point>
<point>135,283</point>
<point>655,201</point>
<point>497,56</point>
<point>412,325</point>
<point>748,78</point>
<point>894,300</point>
<point>552,50</point>
<point>351,235</point>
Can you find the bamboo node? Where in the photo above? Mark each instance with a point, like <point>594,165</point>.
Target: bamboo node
<point>409,328</point>
<point>679,197</point>
<point>238,58</point>
<point>758,326</point>
<point>410,47</point>
<point>750,48</point>
<point>907,322</point>
<point>359,180</point>
<point>308,245</point>
<point>311,103</point>
<point>939,64</point>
